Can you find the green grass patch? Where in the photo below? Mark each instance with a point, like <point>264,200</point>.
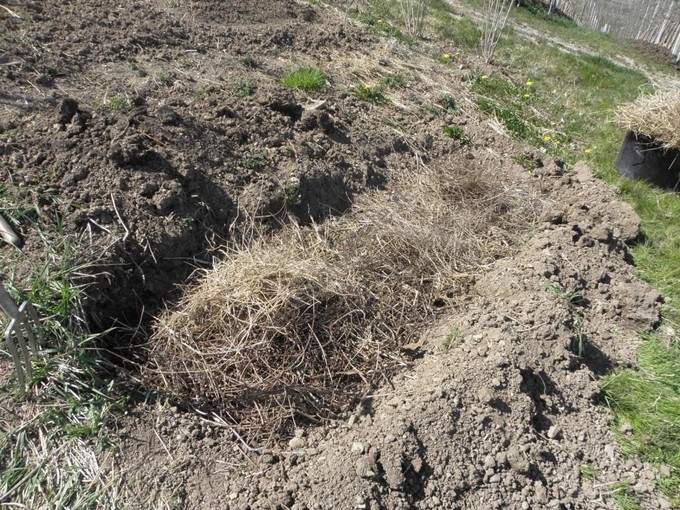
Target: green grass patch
<point>508,116</point>
<point>594,41</point>
<point>47,455</point>
<point>118,103</point>
<point>166,79</point>
<point>383,18</point>
<point>558,101</point>
<point>462,33</point>
<point>305,78</point>
<point>649,400</point>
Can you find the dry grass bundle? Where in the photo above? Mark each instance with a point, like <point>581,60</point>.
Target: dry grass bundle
<point>296,324</point>
<point>656,116</point>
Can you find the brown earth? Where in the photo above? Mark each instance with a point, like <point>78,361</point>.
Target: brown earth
<point>503,409</point>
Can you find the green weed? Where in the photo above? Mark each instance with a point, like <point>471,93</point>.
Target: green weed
<point>202,93</point>
<point>141,72</point>
<point>448,103</point>
<point>257,161</point>
<point>510,118</point>
<point>118,103</point>
<point>457,133</point>
<point>588,472</point>
<point>370,93</point>
<point>452,339</point>
<point>527,162</point>
<point>288,192</point>
<point>249,62</point>
<point>244,88</point>
<point>305,78</point>
<point>166,79</point>
<point>574,299</point>
<point>623,496</point>
<point>393,81</point>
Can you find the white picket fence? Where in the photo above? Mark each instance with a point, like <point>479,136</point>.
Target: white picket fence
<point>654,21</point>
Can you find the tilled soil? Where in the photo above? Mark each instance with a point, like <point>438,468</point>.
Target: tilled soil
<point>128,121</point>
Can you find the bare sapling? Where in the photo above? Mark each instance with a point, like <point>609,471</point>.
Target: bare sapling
<point>496,14</point>
<point>413,13</point>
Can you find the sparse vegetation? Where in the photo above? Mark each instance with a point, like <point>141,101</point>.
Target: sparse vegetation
<point>308,79</point>
<point>249,62</point>
<point>141,72</point>
<point>201,93</point>
<point>117,103</point>
<point>288,192</point>
<point>448,103</point>
<point>452,339</point>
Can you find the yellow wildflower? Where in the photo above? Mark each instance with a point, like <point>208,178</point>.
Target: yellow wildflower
<point>446,58</point>
<point>587,151</point>
<point>380,22</point>
<point>547,138</point>
<point>526,96</point>
<point>530,83</point>
<point>484,77</point>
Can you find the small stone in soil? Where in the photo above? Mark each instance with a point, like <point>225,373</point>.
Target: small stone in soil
<point>553,432</point>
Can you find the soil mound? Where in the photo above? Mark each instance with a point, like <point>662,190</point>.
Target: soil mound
<point>293,326</point>
<point>504,411</point>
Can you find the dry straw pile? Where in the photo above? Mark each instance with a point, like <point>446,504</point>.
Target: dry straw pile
<point>294,325</point>
<point>656,116</point>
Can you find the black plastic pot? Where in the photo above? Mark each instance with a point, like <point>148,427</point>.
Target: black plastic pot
<point>643,158</point>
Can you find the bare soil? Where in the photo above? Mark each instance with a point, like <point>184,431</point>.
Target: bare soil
<point>501,406</point>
